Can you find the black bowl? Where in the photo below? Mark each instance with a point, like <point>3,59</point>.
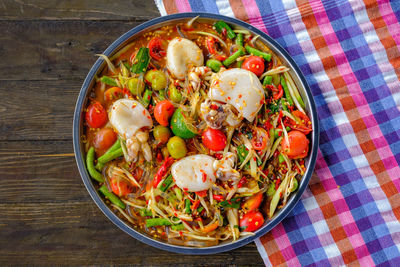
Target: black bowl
<point>150,25</point>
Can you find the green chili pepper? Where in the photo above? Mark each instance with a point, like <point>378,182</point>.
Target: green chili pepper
<point>221,25</point>
<point>256,52</point>
<point>108,80</point>
<point>157,222</point>
<point>113,198</point>
<point>90,166</point>
<point>240,52</point>
<point>214,65</point>
<point>267,80</point>
<point>187,206</point>
<point>286,90</point>
<point>145,212</point>
<point>142,61</point>
<point>166,183</point>
<point>146,98</point>
<point>239,39</point>
<point>178,227</point>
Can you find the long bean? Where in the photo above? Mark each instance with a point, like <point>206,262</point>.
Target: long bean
<point>108,80</point>
<point>166,183</point>
<point>233,57</point>
<point>267,80</point>
<point>117,145</point>
<point>286,90</point>
<point>187,206</point>
<point>256,52</point>
<point>113,198</point>
<point>110,156</point>
<point>157,222</point>
<point>178,227</point>
<point>90,166</point>
<point>146,98</point>
<point>220,26</point>
<point>239,39</point>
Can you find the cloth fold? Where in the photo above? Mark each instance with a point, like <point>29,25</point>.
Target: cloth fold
<point>349,52</point>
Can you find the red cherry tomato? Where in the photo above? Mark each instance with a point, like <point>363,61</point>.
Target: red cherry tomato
<point>96,115</point>
<point>253,202</point>
<point>254,64</point>
<point>120,187</point>
<point>297,146</point>
<point>113,93</point>
<point>260,139</point>
<point>104,138</point>
<point>157,48</point>
<point>163,111</point>
<point>251,221</point>
<point>214,139</point>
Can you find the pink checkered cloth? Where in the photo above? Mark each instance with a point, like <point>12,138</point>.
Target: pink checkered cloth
<point>349,53</point>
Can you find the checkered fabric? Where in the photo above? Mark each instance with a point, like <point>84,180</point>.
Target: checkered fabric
<point>349,52</point>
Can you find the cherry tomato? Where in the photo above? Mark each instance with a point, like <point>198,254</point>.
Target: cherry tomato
<point>254,64</point>
<point>113,93</point>
<point>260,139</point>
<point>214,139</point>
<point>163,111</point>
<point>96,115</point>
<point>157,48</point>
<point>302,123</point>
<point>251,221</point>
<point>120,187</point>
<point>298,145</point>
<point>104,138</point>
<point>253,202</point>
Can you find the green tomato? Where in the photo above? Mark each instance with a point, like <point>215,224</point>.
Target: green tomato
<point>174,94</point>
<point>176,147</point>
<point>295,185</point>
<point>161,133</point>
<point>135,86</point>
<point>157,79</point>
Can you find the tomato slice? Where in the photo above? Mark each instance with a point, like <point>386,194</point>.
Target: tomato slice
<point>163,112</point>
<point>297,146</point>
<point>214,139</point>
<point>113,93</point>
<point>104,139</point>
<point>251,221</point>
<point>157,48</point>
<point>120,187</point>
<point>253,202</point>
<point>254,64</point>
<point>302,123</point>
<point>260,139</point>
<point>96,115</point>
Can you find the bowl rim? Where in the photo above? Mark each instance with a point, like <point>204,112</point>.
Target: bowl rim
<point>163,245</point>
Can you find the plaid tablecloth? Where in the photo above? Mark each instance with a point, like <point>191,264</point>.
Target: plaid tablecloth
<point>349,52</point>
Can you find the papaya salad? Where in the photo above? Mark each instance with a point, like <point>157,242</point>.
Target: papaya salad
<point>196,133</point>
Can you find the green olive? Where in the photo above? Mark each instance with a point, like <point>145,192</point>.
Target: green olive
<point>176,147</point>
<point>161,133</point>
<point>157,79</point>
<point>135,86</point>
<point>174,94</point>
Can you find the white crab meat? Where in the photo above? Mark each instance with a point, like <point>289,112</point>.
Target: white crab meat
<point>240,88</point>
<point>225,168</point>
<point>194,173</point>
<point>127,116</point>
<point>181,53</point>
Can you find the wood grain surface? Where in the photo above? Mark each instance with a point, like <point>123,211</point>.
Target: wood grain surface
<point>46,214</point>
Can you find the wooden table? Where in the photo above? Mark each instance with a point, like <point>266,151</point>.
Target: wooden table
<point>46,214</point>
